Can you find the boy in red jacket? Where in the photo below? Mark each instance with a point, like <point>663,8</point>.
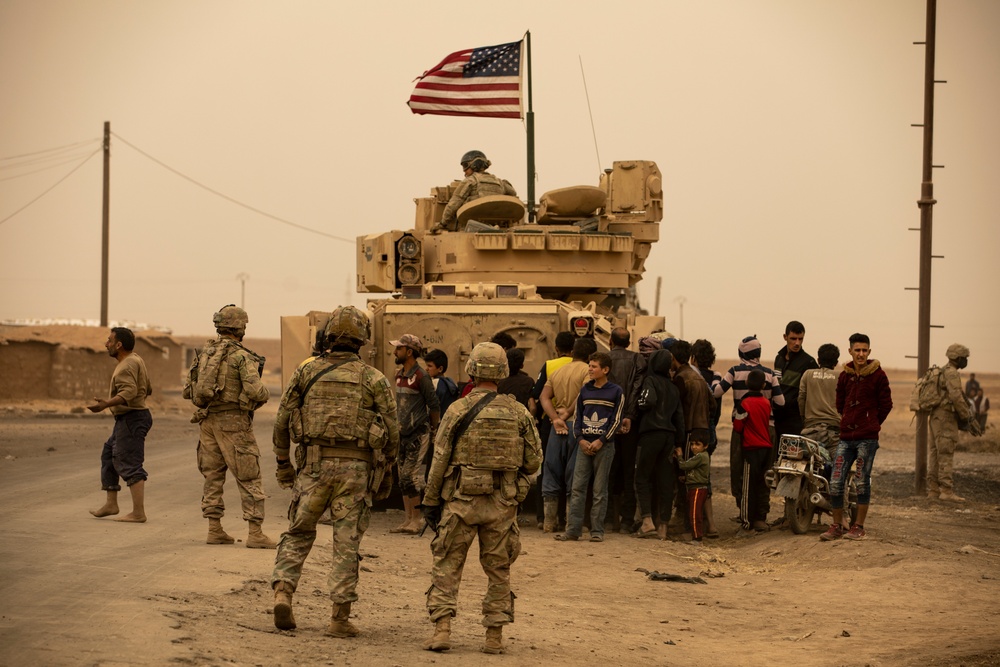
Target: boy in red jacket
<point>752,422</point>
<point>863,401</point>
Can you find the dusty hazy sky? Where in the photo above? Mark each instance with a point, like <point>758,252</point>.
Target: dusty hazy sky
<point>782,129</point>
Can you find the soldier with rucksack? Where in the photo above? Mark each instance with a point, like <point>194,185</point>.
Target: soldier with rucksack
<point>947,418</point>
<point>225,385</point>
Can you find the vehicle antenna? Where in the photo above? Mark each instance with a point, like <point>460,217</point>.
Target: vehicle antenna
<point>592,128</point>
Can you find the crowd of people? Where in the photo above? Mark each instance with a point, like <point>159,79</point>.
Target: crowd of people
<point>619,440</point>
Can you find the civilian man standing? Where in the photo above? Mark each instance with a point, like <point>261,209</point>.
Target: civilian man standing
<point>124,451</point>
<point>789,365</point>
<point>628,369</point>
<point>864,400</point>
<point>419,413</point>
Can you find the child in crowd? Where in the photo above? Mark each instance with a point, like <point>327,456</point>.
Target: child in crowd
<point>696,471</point>
<point>751,422</point>
<point>445,388</point>
<point>598,415</point>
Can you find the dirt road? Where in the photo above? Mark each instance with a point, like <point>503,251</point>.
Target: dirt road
<point>75,590</point>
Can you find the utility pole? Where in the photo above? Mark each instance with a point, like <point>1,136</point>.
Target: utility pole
<point>656,304</point>
<point>681,300</point>
<point>243,278</point>
<point>106,224</point>
<point>926,204</point>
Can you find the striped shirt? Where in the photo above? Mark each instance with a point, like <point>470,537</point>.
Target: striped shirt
<point>736,378</point>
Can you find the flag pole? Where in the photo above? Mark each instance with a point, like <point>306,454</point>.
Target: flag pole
<point>530,120</point>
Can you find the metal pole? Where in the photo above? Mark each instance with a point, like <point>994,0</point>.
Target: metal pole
<point>926,204</point>
<point>656,304</point>
<point>681,300</point>
<point>243,278</point>
<point>106,224</point>
<point>530,123</point>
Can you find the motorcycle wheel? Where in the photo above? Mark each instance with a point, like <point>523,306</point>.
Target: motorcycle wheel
<point>799,511</point>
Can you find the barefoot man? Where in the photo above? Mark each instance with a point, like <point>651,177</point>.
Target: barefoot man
<point>124,451</point>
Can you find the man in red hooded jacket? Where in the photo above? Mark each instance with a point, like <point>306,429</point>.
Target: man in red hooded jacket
<point>863,401</point>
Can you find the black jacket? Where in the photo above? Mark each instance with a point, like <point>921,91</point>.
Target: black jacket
<point>791,371</point>
<point>659,401</point>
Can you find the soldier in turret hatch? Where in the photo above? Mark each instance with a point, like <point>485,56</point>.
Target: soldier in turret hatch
<point>478,183</point>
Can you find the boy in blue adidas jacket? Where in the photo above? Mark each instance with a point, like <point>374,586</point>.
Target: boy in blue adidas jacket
<point>598,415</point>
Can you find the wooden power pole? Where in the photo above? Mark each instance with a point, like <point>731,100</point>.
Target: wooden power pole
<point>926,204</point>
<point>106,224</point>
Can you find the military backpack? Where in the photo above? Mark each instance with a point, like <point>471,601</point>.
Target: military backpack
<point>927,393</point>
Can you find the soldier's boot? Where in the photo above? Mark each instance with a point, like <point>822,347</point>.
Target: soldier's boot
<point>283,618</point>
<point>551,508</point>
<point>257,539</point>
<point>441,640</point>
<point>339,625</point>
<point>216,535</point>
<point>494,640</point>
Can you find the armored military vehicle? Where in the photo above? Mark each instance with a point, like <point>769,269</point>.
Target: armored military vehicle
<point>573,269</point>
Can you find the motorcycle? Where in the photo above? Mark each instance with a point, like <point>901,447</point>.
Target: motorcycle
<point>798,476</point>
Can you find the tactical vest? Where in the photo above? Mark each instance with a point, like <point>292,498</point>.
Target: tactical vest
<point>492,441</point>
<point>487,185</point>
<point>333,408</point>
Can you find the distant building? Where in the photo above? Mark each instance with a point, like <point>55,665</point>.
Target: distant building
<point>67,362</point>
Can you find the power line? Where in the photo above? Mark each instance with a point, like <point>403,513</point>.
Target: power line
<point>87,159</point>
<point>49,150</point>
<point>227,197</point>
<point>73,158</point>
<point>65,155</point>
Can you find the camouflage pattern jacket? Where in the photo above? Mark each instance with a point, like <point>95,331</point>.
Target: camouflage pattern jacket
<point>352,402</point>
<point>953,399</point>
<point>476,185</point>
<point>441,478</point>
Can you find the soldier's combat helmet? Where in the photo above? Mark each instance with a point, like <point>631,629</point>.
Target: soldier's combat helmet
<point>957,351</point>
<point>347,326</point>
<point>488,361</point>
<point>476,161</point>
<point>230,317</point>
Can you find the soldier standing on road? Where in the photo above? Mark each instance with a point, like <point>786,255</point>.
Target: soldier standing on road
<point>478,183</point>
<point>225,386</point>
<point>123,453</point>
<point>344,413</point>
<point>419,414</point>
<point>951,415</point>
<point>484,454</point>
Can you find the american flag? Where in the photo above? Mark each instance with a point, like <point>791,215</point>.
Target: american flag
<point>482,82</point>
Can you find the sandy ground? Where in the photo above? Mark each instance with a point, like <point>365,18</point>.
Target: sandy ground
<point>75,590</point>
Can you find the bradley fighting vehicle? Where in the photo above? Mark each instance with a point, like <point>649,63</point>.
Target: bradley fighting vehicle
<point>574,269</point>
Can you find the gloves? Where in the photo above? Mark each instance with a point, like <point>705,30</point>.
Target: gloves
<point>285,474</point>
<point>974,427</point>
<point>432,515</point>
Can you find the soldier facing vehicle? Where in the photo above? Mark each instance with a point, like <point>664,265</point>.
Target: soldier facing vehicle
<point>484,454</point>
<point>343,412</point>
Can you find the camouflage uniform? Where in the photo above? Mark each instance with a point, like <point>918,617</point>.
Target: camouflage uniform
<point>227,440</point>
<point>944,430</point>
<point>345,413</point>
<point>501,448</point>
<point>475,185</point>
